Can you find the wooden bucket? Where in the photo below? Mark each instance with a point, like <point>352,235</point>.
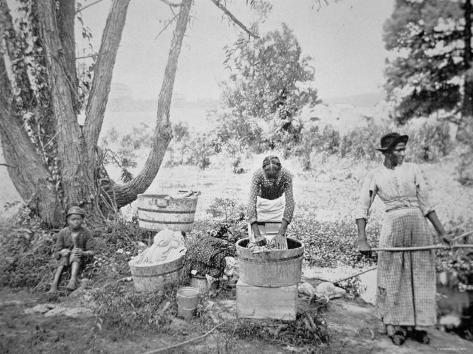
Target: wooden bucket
<point>270,269</point>
<point>155,276</point>
<point>160,211</point>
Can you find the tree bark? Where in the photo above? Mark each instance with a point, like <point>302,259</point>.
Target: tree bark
<point>76,176</point>
<point>103,71</point>
<point>66,21</point>
<point>467,109</point>
<point>25,167</point>
<point>128,192</point>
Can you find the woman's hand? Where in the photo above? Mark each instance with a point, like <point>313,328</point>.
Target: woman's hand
<point>363,246</point>
<point>445,238</point>
<point>281,242</point>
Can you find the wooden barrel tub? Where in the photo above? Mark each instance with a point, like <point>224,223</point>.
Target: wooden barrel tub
<point>272,269</point>
<point>160,211</point>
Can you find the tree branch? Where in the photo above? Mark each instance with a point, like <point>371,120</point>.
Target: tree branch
<point>7,165</point>
<point>166,25</point>
<point>87,6</point>
<point>103,70</point>
<point>171,4</point>
<point>233,18</point>
<point>127,193</point>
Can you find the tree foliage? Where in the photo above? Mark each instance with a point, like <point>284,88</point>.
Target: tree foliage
<point>269,79</point>
<point>431,40</point>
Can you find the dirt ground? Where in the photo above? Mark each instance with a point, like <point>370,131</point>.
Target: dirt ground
<point>70,326</point>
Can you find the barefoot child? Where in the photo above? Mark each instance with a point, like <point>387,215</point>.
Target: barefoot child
<point>71,247</point>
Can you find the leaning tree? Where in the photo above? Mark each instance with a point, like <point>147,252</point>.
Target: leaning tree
<point>52,158</point>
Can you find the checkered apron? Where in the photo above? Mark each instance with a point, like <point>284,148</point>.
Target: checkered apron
<point>406,280</point>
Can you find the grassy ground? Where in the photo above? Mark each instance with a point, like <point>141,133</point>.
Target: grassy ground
<point>325,197</point>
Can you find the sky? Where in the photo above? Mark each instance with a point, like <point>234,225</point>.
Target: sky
<point>344,39</point>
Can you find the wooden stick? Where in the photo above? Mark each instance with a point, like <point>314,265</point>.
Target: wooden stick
<point>421,248</point>
<point>462,235</point>
<point>463,246</point>
<point>162,350</point>
<point>356,274</point>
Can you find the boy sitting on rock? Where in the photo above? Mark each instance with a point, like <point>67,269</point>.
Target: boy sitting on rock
<point>71,247</point>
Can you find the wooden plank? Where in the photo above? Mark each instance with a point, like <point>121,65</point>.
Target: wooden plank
<point>266,303</point>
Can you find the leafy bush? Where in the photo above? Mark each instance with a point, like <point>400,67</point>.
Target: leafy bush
<point>329,244</point>
<point>203,147</point>
<point>429,142</point>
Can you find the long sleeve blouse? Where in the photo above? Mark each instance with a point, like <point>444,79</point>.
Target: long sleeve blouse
<point>402,187</point>
<point>263,188</point>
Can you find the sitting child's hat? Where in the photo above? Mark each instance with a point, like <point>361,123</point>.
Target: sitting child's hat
<point>75,210</point>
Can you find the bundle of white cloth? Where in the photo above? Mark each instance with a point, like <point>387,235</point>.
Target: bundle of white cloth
<point>167,246</point>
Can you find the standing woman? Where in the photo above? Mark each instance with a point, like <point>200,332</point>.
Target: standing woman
<point>267,203</point>
<point>406,281</point>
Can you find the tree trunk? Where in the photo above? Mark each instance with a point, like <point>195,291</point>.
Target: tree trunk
<point>25,167</point>
<point>467,109</point>
<point>76,177</point>
<point>127,193</point>
<point>465,129</point>
<point>77,155</point>
<point>66,20</point>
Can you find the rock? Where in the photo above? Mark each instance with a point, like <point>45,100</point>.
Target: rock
<point>74,312</point>
<point>306,289</point>
<point>41,308</point>
<point>329,291</point>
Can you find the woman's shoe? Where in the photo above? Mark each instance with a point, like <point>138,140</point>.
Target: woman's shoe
<point>398,338</point>
<point>421,336</point>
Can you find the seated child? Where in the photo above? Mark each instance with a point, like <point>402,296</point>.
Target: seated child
<point>71,247</point>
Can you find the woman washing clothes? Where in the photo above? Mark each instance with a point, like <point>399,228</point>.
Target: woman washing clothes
<point>271,204</point>
<point>406,280</point>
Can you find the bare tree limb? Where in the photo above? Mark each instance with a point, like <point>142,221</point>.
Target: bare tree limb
<point>127,193</point>
<point>171,4</point>
<point>222,7</point>
<point>166,26</point>
<point>7,165</point>
<point>87,6</point>
<point>103,70</point>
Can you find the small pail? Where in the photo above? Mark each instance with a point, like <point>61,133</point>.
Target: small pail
<point>200,283</point>
<point>187,301</point>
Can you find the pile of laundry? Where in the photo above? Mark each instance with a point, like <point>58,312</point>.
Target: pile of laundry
<point>207,256</point>
<point>167,246</point>
<point>270,246</point>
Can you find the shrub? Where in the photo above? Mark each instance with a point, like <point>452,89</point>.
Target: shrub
<point>202,148</point>
<point>429,142</point>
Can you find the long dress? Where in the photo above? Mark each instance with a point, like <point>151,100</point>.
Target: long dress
<point>406,281</point>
